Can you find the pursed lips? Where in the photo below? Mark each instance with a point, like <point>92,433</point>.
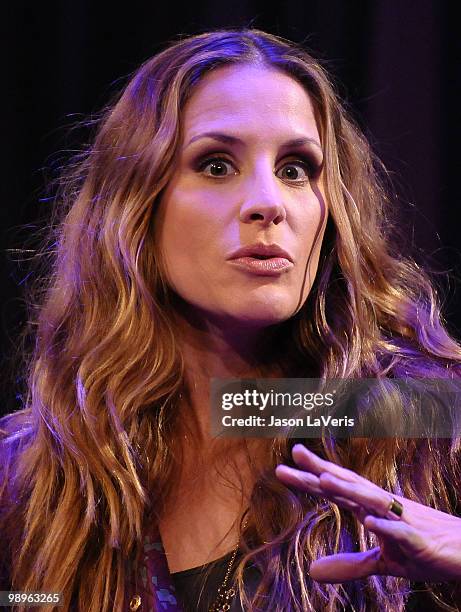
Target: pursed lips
<point>261,250</point>
<point>262,259</point>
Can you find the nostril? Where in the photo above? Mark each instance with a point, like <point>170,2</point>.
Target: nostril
<point>254,216</point>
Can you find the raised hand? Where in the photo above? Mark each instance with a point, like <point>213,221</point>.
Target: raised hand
<point>422,544</point>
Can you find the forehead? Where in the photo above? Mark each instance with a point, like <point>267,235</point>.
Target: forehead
<point>246,97</point>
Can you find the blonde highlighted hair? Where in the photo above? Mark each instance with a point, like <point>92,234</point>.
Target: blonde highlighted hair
<point>90,455</point>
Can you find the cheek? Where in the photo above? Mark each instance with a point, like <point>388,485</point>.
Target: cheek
<point>313,228</point>
<point>182,224</point>
<point>309,226</point>
<point>311,270</point>
<point>189,235</point>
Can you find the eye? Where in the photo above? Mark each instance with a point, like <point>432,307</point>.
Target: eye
<point>296,171</point>
<point>217,167</point>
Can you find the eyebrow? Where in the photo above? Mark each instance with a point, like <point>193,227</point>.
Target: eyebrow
<point>228,139</point>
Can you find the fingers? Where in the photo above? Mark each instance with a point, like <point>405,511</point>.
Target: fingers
<point>400,533</point>
<point>335,480</point>
<point>308,460</point>
<point>347,566</point>
<point>310,483</point>
<point>374,499</point>
<point>303,480</point>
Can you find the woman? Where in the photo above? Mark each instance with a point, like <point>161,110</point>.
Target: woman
<point>228,221</point>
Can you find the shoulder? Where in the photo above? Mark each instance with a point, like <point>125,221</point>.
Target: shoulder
<point>15,436</point>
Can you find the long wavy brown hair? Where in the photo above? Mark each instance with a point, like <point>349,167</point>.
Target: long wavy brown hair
<point>90,455</point>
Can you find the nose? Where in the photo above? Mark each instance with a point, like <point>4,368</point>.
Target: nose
<point>263,199</point>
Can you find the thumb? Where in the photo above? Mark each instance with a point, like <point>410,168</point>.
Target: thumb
<point>346,566</point>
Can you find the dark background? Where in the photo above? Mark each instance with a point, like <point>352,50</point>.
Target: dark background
<point>395,63</point>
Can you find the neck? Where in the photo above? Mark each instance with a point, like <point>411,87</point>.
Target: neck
<point>220,349</point>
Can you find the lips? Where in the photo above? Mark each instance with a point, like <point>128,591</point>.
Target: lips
<point>262,251</point>
<point>262,259</point>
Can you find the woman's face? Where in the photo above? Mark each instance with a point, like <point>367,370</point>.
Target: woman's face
<point>247,176</point>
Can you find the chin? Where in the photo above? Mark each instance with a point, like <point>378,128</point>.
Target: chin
<point>261,315</point>
<point>249,309</point>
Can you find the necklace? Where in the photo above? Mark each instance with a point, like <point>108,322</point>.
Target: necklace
<point>223,601</point>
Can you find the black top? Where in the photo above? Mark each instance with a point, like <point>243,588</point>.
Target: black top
<point>188,588</point>
<point>196,591</point>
